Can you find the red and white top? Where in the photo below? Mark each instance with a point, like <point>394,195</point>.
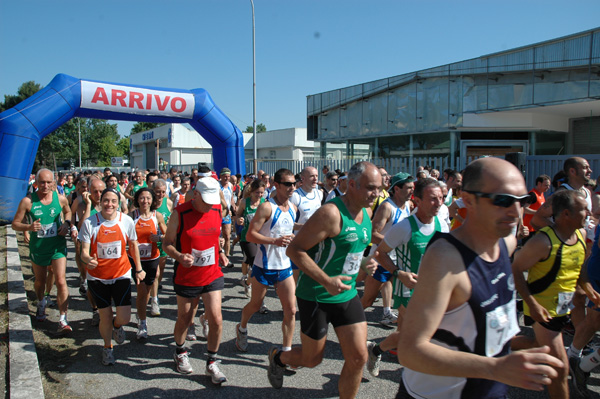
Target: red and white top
<point>144,229</point>
<point>108,240</point>
<point>198,235</point>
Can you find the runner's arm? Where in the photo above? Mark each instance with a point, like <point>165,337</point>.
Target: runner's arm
<point>382,216</point>
<point>22,209</point>
<point>445,286</point>
<point>262,215</point>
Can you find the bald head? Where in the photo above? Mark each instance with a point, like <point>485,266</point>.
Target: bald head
<point>492,174</point>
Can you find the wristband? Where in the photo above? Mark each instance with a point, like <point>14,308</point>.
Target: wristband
<point>73,228</point>
<point>139,271</point>
<point>221,251</point>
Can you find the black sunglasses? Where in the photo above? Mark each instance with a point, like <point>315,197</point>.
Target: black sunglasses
<point>286,183</point>
<point>503,200</point>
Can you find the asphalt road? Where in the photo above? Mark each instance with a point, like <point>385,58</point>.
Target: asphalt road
<point>146,369</point>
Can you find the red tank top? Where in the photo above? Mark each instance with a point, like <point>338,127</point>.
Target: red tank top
<point>198,235</point>
<point>144,228</point>
<point>109,246</point>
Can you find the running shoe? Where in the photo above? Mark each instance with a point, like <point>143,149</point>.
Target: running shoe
<point>264,309</point>
<point>40,314</point>
<point>63,327</point>
<point>191,333</point>
<point>248,290</point>
<point>373,361</point>
<point>83,287</point>
<point>119,335</point>
<point>274,371</point>
<point>579,378</point>
<point>389,319</point>
<point>241,339</point>
<point>95,318</point>
<point>204,324</point>
<point>243,281</point>
<point>142,332</point>
<point>108,357</point>
<point>49,302</point>
<point>216,375</point>
<point>182,362</point>
<point>154,307</point>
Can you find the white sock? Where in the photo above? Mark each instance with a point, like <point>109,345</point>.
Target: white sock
<point>387,310</point>
<point>286,348</point>
<point>574,352</point>
<point>63,317</point>
<point>242,329</point>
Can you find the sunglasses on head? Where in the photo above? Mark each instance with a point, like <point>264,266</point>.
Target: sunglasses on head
<point>503,200</point>
<point>286,183</point>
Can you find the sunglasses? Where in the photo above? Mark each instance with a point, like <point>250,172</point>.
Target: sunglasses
<point>286,183</point>
<point>503,200</point>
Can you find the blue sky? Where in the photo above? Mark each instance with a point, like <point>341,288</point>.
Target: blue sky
<point>303,47</point>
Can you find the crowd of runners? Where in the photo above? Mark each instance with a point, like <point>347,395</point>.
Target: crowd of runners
<point>456,257</point>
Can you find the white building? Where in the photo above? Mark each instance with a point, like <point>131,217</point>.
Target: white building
<point>181,146</point>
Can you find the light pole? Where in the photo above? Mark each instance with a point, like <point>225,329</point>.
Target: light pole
<point>254,91</point>
<point>79,134</point>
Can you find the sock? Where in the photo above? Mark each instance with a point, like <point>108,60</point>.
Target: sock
<point>377,350</point>
<point>109,346</point>
<point>142,322</point>
<point>286,348</point>
<point>179,349</point>
<point>42,303</point>
<point>387,310</point>
<point>63,317</point>
<point>574,352</point>
<point>277,359</point>
<point>46,294</point>
<point>243,330</point>
<point>212,357</point>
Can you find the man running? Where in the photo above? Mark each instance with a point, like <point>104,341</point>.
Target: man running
<point>553,259</point>
<point>164,206</point>
<point>307,199</point>
<point>192,239</point>
<point>392,211</point>
<point>271,228</point>
<point>329,251</point>
<point>227,190</point>
<point>457,328</point>
<point>50,221</point>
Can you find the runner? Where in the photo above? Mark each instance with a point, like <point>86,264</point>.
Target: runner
<point>227,190</point>
<point>192,239</point>
<point>164,206</point>
<point>456,331</point>
<point>271,229</point>
<point>393,210</point>
<point>49,219</point>
<point>148,225</point>
<point>553,259</point>
<point>112,182</point>
<point>245,212</point>
<point>137,183</point>
<point>336,237</point>
<point>341,187</point>
<point>104,237</point>
<point>178,197</point>
<point>407,240</point>
<point>307,199</point>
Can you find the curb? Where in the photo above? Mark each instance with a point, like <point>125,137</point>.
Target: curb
<point>25,379</point>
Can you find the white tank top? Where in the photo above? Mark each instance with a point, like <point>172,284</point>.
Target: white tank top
<point>272,257</point>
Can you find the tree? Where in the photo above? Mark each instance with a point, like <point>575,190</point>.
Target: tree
<point>143,126</point>
<point>25,91</point>
<point>259,128</point>
<point>123,147</point>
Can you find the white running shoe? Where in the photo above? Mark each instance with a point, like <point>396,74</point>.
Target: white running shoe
<point>191,333</point>
<point>154,307</point>
<point>389,319</point>
<point>182,362</point>
<point>216,376</point>
<point>204,324</point>
<point>108,357</point>
<point>142,332</point>
<point>119,335</point>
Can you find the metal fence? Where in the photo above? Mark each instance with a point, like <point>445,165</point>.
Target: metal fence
<point>536,165</point>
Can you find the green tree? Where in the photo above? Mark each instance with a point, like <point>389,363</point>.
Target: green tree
<point>24,91</point>
<point>101,138</point>
<point>143,126</point>
<point>259,128</point>
<point>123,147</point>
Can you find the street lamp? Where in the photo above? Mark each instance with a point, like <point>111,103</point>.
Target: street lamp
<point>254,90</point>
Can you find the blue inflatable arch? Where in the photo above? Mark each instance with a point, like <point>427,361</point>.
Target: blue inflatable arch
<point>66,97</point>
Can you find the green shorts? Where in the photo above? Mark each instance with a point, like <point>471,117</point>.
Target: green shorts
<point>400,301</point>
<point>163,254</point>
<point>46,258</point>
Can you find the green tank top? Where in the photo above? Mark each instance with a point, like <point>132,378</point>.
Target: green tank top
<point>68,190</point>
<point>248,215</point>
<point>46,239</point>
<point>136,188</point>
<point>340,255</point>
<point>409,255</point>
<point>164,209</point>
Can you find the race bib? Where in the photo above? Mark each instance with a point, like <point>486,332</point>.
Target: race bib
<point>501,326</point>
<point>565,303</point>
<point>109,250</point>
<point>47,230</point>
<point>352,263</point>
<point>204,258</point>
<point>145,250</point>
